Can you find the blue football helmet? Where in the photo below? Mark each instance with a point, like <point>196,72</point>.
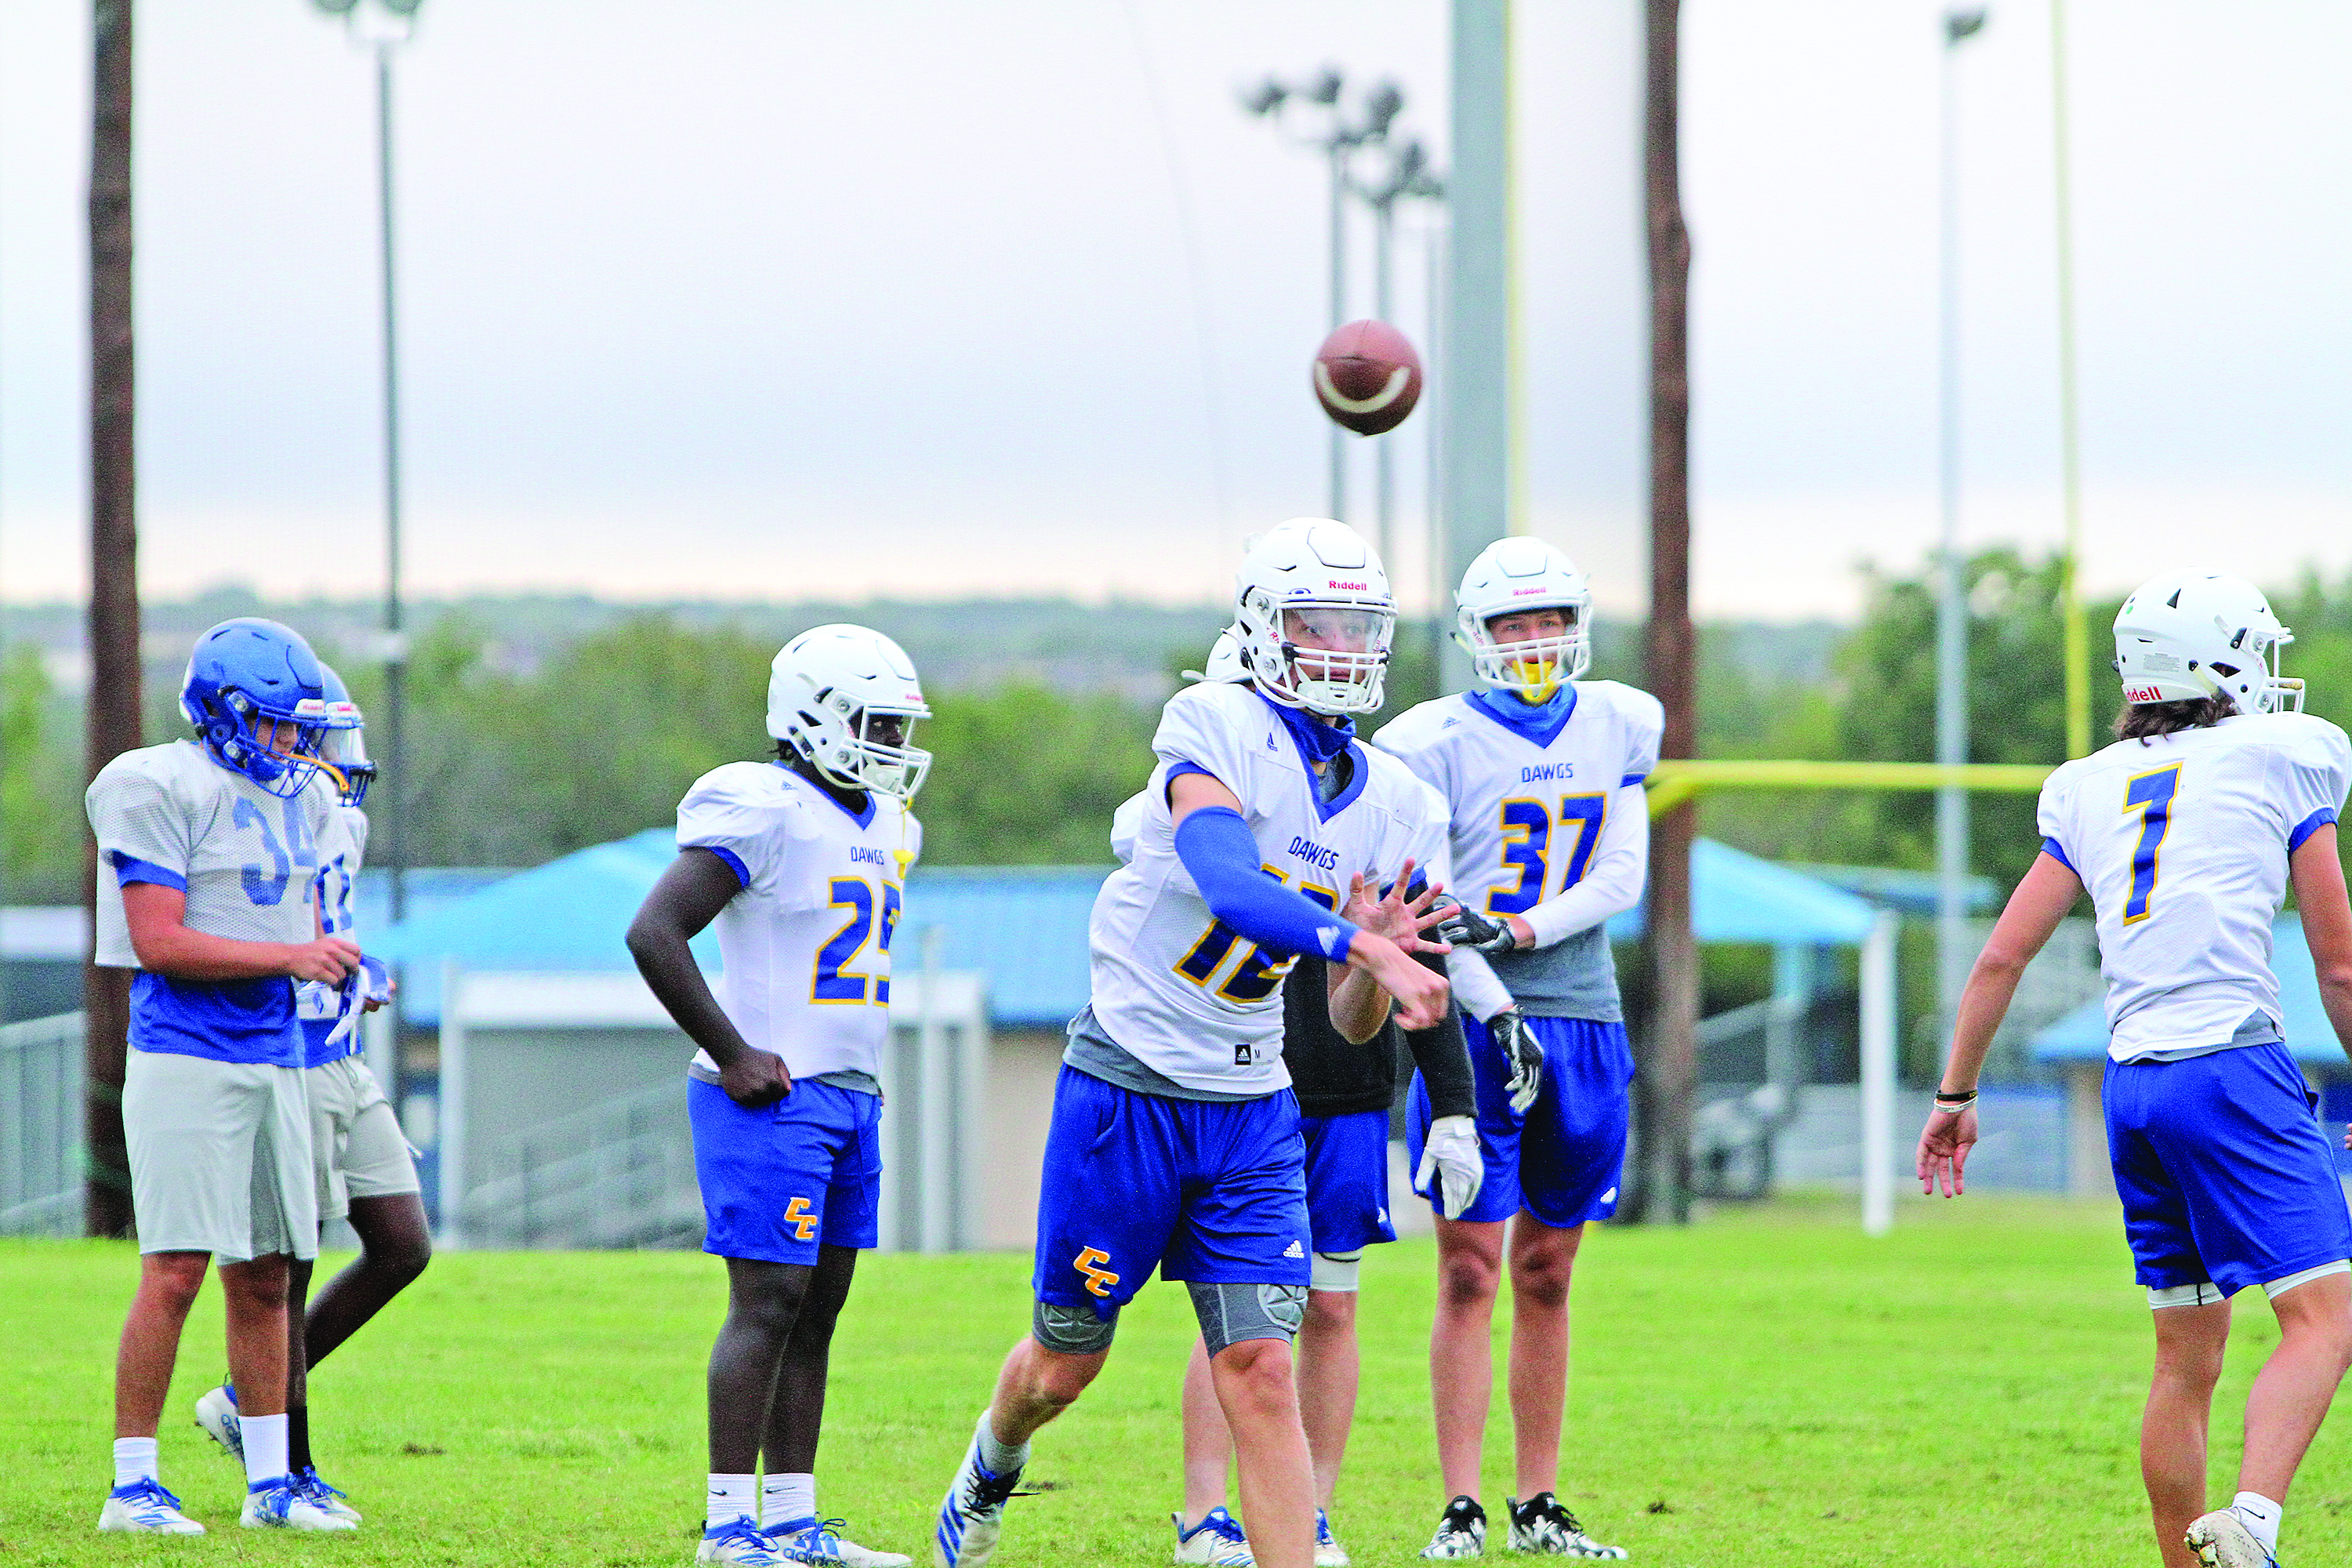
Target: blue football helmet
<point>247,671</point>
<point>342,753</point>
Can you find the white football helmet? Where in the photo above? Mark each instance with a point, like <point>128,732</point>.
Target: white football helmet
<point>2189,635</point>
<point>1225,665</point>
<point>1315,578</point>
<point>1523,573</point>
<point>846,699</point>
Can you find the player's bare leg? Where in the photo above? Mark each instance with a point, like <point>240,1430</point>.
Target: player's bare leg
<point>395,1244</point>
<point>1542,1259</point>
<point>2190,1343</point>
<point>1255,1386</point>
<point>253,1299</point>
<point>1207,1441</point>
<point>1327,1369</point>
<point>796,1413</point>
<point>2292,1393</point>
<point>1461,1345</point>
<point>168,1283</point>
<point>763,1301</point>
<point>1035,1385</point>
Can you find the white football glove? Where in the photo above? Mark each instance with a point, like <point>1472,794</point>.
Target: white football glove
<point>1450,1156</point>
<point>1522,1053</point>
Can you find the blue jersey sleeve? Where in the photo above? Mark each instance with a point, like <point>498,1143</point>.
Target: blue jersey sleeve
<point>1217,849</point>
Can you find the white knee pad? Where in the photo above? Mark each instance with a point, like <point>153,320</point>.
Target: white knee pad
<point>2204,1293</point>
<point>1334,1270</point>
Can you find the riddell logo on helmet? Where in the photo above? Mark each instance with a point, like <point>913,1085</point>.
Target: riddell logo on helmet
<point>1522,593</point>
<point>1358,587</point>
<point>2142,694</point>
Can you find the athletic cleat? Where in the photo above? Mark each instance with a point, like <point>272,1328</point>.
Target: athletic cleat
<point>839,1547</point>
<point>2221,1539</point>
<point>1461,1531</point>
<point>324,1498</point>
<point>278,1505</point>
<point>973,1513</point>
<point>1328,1553</point>
<point>810,1540</point>
<point>739,1544</point>
<point>217,1413</point>
<point>1217,1539</point>
<point>145,1505</point>
<point>1541,1525</point>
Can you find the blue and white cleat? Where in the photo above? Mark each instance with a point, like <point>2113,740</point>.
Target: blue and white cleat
<point>278,1505</point>
<point>144,1505</point>
<point>322,1497</point>
<point>972,1515</point>
<point>2221,1539</point>
<point>217,1413</point>
<point>1217,1540</point>
<point>821,1540</point>
<point>740,1544</point>
<point>1328,1553</point>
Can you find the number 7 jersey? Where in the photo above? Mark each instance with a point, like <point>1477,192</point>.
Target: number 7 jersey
<point>805,944</point>
<point>2182,842</point>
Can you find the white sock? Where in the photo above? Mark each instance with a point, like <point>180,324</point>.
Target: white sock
<point>730,1498</point>
<point>2262,1517</point>
<point>785,1498</point>
<point>998,1457</point>
<point>135,1459</point>
<point>265,1449</point>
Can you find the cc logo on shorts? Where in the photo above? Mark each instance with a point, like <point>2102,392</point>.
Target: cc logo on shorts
<point>1089,1263</point>
<point>803,1223</point>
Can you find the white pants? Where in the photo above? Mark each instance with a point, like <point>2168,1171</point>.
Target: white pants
<point>357,1149</point>
<point>220,1157</point>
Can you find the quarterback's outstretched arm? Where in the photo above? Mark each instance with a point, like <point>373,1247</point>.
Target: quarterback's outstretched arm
<point>688,897</point>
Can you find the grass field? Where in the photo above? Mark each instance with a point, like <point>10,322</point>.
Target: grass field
<point>1764,1387</point>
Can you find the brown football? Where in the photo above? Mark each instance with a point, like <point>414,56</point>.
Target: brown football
<point>1367,377</point>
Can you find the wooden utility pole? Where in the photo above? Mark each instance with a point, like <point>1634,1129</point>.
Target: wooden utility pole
<point>1667,1084</point>
<point>113,703</point>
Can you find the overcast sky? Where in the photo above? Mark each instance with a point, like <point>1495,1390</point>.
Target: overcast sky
<point>747,298</point>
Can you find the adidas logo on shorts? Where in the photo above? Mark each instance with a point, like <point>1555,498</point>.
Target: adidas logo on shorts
<point>1292,1250</point>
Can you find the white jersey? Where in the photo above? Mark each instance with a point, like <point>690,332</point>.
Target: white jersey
<point>245,858</point>
<point>2182,842</point>
<point>806,943</point>
<point>342,847</point>
<point>1172,985</point>
<point>1529,810</point>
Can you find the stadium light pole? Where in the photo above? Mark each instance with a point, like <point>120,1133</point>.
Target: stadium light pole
<point>1951,609</point>
<point>2076,638</point>
<point>381,26</point>
<point>1338,139</point>
<point>1407,175</point>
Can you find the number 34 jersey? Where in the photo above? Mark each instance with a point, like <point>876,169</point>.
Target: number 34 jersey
<point>2182,843</point>
<point>1172,986</point>
<point>806,943</point>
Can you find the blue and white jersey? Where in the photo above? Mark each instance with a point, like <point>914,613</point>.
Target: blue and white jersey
<point>1172,985</point>
<point>1535,803</point>
<point>2182,841</point>
<point>806,943</point>
<point>320,1007</point>
<point>247,861</point>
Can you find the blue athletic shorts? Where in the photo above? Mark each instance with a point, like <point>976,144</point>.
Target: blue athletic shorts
<point>1209,1191</point>
<point>783,1180</point>
<point>2223,1171</point>
<point>1348,1180</point>
<point>1562,1162</point>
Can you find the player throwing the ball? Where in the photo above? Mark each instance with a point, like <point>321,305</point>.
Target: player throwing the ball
<point>802,862</point>
<point>2218,794</point>
<point>1552,837</point>
<point>1175,1141</point>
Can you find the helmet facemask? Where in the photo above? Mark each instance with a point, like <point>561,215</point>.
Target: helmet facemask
<point>231,727</point>
<point>864,748</point>
<point>1329,657</point>
<point>342,756</point>
<point>1533,668</point>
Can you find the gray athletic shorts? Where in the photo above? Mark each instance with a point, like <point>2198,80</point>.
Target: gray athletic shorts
<point>220,1157</point>
<point>357,1149</point>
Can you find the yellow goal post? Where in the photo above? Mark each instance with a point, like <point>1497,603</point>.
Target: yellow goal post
<point>1678,779</point>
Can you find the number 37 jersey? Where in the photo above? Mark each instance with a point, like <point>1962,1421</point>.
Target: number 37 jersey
<point>806,943</point>
<point>2182,843</point>
<point>1173,986</point>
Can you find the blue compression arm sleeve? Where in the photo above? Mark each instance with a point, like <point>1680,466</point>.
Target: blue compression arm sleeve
<point>1216,847</point>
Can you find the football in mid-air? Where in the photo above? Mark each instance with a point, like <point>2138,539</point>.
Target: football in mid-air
<point>1367,377</point>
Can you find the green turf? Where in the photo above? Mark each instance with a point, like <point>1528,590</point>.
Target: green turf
<point>1767,1387</point>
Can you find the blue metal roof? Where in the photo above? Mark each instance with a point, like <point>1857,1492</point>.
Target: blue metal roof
<point>1735,897</point>
<point>2082,1035</point>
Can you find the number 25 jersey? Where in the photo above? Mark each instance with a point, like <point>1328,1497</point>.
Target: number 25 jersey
<point>2182,842</point>
<point>806,943</point>
<point>1173,986</point>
